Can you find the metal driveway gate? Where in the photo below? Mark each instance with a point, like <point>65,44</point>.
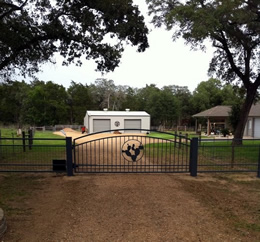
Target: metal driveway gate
<point>118,151</point>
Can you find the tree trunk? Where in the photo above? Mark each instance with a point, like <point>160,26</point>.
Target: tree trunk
<point>244,112</point>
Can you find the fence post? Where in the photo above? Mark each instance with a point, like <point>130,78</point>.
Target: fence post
<point>23,135</point>
<point>194,157</point>
<point>69,156</point>
<point>30,138</point>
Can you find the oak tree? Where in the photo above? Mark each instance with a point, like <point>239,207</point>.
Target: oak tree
<point>233,28</point>
<point>31,31</point>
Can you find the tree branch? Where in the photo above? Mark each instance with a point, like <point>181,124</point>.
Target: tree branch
<point>12,8</point>
<point>257,81</point>
<point>247,63</point>
<point>225,47</point>
<point>16,52</point>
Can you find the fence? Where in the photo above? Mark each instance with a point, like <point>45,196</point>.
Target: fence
<point>206,155</point>
<point>56,127</point>
<point>32,155</point>
<point>223,156</point>
<point>174,128</point>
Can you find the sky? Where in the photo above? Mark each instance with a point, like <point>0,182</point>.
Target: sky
<point>164,63</point>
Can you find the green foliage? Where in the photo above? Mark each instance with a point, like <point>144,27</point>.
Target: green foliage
<point>40,103</point>
<point>79,100</point>
<point>46,104</point>
<point>32,31</point>
<point>13,96</point>
<point>225,132</point>
<point>213,93</point>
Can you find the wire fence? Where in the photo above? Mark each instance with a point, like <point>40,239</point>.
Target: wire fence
<point>223,156</point>
<point>32,155</point>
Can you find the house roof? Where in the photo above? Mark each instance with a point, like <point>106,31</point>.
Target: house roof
<point>217,111</point>
<point>223,111</point>
<point>255,110</point>
<point>118,113</point>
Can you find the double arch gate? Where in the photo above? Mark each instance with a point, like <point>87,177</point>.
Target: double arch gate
<point>141,151</point>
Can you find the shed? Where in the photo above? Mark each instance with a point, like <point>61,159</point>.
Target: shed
<point>96,121</point>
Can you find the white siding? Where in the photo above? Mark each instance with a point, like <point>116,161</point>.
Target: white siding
<point>257,128</point>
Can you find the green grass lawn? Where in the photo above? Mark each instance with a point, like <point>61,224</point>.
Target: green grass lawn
<point>8,133</point>
<point>171,135</point>
<point>40,138</point>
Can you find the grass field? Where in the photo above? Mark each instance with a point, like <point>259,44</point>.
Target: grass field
<point>171,135</point>
<point>39,138</point>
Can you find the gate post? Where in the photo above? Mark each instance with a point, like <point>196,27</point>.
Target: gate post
<point>194,157</point>
<point>69,156</point>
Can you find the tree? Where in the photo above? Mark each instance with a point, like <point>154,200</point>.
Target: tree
<point>160,104</point>
<point>46,104</point>
<point>102,92</point>
<point>33,30</point>
<point>13,96</point>
<point>233,118</point>
<point>233,27</point>
<point>170,107</point>
<point>207,95</point>
<point>131,99</point>
<point>79,102</point>
<point>183,98</point>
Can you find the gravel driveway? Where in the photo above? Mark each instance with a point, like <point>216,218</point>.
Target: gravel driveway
<point>126,207</point>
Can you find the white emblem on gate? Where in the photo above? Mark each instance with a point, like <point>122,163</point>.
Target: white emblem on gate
<point>132,150</point>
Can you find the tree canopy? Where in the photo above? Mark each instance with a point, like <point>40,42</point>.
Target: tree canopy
<point>233,27</point>
<point>31,31</point>
<point>45,103</point>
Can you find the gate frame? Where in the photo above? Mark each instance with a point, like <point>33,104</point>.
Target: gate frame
<point>192,158</point>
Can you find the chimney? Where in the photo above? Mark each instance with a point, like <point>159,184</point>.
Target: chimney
<point>127,109</point>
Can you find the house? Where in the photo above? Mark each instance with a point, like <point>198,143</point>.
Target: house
<point>217,119</point>
<point>96,121</point>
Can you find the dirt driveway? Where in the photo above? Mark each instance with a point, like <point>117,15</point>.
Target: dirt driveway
<point>126,207</point>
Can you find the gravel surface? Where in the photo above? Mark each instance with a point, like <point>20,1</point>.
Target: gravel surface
<point>126,207</point>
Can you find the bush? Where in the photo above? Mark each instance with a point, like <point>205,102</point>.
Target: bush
<point>225,132</point>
